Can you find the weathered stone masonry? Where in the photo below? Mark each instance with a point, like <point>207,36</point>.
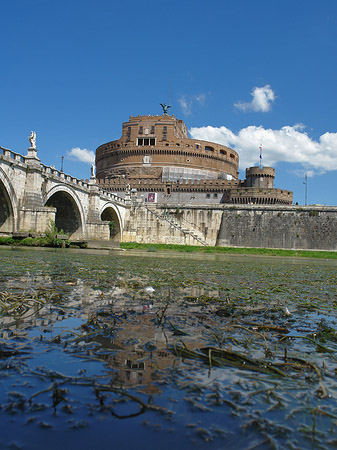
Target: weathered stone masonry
<point>291,227</point>
<point>32,195</point>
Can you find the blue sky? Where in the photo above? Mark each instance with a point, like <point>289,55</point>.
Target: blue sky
<point>244,73</point>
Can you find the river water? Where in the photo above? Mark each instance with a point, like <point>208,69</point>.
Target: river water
<point>127,349</point>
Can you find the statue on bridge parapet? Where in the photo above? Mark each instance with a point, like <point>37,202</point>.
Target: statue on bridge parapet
<point>32,150</point>
<point>93,171</point>
<point>32,140</point>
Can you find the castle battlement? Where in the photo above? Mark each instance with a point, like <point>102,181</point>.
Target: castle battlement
<point>158,148</point>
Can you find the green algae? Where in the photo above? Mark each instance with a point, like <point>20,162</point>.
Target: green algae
<point>226,352</point>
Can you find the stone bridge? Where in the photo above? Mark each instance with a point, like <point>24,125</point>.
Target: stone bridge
<point>32,196</point>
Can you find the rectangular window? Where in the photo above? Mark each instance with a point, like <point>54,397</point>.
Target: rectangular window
<point>152,141</point>
<point>215,195</point>
<point>165,129</point>
<point>208,195</point>
<point>152,130</point>
<point>146,141</point>
<point>164,137</point>
<point>140,141</point>
<point>140,130</point>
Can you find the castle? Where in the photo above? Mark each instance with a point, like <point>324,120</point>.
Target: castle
<point>157,160</point>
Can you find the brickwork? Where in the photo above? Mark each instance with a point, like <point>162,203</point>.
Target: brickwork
<point>163,141</point>
<point>32,194</point>
<point>155,155</point>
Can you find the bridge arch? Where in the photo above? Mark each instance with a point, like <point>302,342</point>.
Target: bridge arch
<point>69,211</point>
<point>8,205</point>
<point>109,212</point>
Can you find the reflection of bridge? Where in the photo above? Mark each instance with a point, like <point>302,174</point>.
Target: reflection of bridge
<point>32,195</point>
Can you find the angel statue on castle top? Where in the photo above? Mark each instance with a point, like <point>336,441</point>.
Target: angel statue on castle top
<point>165,108</point>
<point>32,139</point>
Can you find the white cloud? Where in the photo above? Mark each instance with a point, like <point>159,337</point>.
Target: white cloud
<point>200,98</point>
<point>185,105</point>
<point>301,173</point>
<point>263,97</point>
<point>186,102</point>
<point>289,144</point>
<point>81,154</point>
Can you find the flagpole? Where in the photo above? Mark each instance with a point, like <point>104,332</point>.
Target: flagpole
<point>260,156</point>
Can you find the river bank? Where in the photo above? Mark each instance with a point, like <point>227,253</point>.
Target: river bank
<point>231,250</point>
<point>60,241</point>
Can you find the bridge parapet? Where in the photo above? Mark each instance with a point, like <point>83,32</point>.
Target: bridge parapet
<point>32,194</point>
<point>48,170</point>
<point>51,171</point>
<point>111,196</point>
<point>12,155</point>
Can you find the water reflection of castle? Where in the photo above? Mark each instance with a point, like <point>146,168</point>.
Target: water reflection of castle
<point>133,346</point>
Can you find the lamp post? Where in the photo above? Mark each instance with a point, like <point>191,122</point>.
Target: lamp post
<point>305,182</point>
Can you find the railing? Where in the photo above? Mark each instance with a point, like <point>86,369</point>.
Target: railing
<point>58,173</point>
<point>112,196</point>
<point>10,154</point>
<point>173,223</point>
<point>172,214</point>
<point>51,171</point>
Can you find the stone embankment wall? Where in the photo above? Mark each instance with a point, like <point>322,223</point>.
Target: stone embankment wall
<point>289,227</point>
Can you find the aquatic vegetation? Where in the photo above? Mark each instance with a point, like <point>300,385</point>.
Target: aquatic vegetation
<point>189,350</point>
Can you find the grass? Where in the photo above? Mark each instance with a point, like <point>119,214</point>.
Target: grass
<point>52,241</point>
<point>231,250</point>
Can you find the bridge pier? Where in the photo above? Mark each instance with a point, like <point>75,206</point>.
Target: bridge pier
<point>96,229</point>
<point>32,196</point>
<point>33,214</point>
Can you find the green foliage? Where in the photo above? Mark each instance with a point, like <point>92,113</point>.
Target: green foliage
<point>29,242</point>
<point>6,241</point>
<point>50,239</point>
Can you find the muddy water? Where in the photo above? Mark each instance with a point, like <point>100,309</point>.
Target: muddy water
<point>222,352</point>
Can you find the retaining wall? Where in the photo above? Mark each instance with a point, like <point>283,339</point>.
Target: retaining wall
<point>291,227</point>
<point>288,227</point>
